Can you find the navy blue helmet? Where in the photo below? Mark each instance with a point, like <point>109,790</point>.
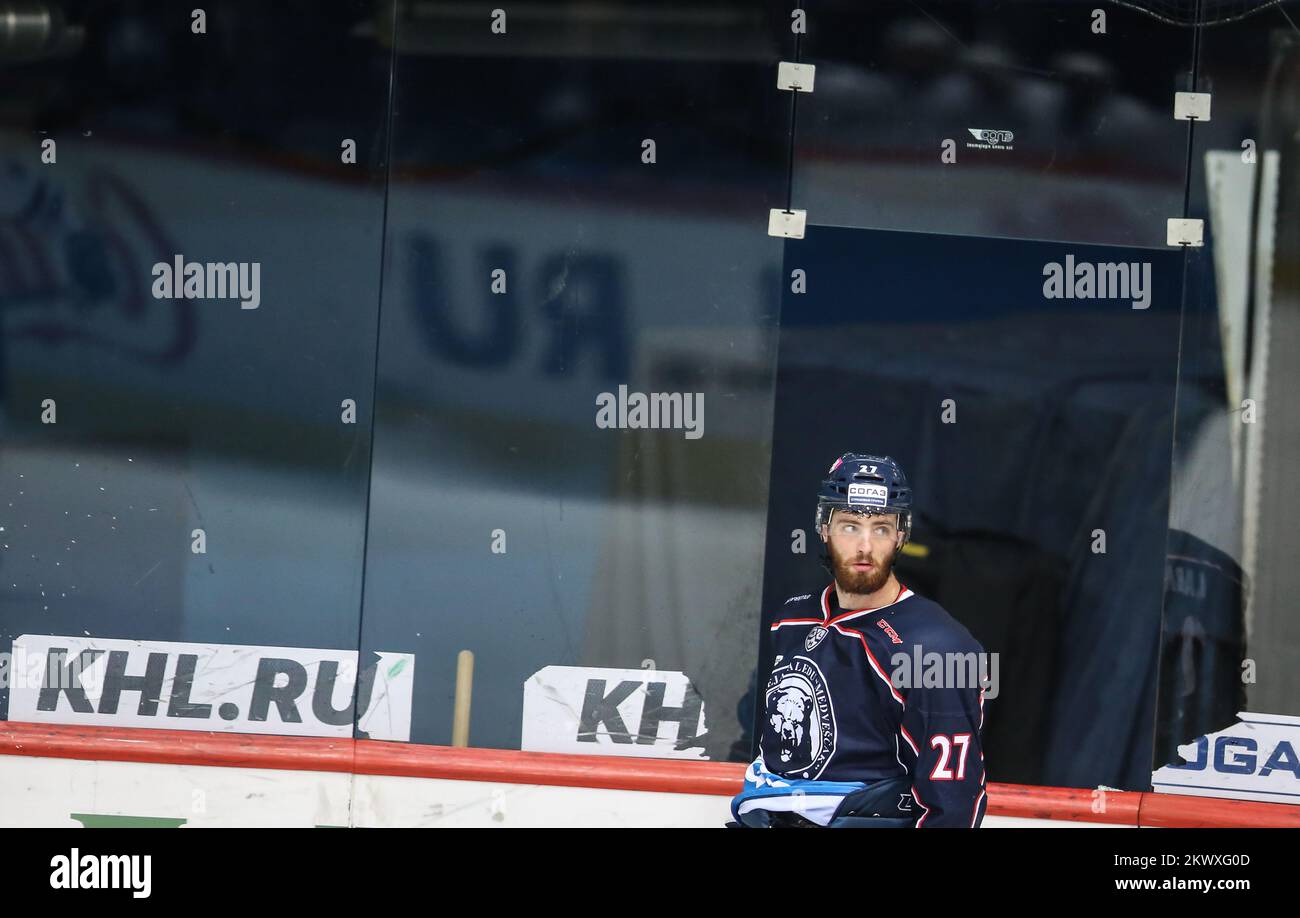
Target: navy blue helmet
<point>861,483</point>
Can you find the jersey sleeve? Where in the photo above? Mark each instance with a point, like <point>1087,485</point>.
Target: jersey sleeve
<point>941,728</point>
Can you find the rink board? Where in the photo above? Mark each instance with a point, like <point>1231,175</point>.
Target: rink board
<point>59,775</point>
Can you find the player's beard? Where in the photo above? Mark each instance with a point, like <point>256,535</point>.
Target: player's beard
<point>860,583</point>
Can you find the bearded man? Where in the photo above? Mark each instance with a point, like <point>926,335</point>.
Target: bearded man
<point>875,750</point>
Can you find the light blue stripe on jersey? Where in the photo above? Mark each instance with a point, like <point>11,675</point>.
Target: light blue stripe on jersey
<point>814,800</point>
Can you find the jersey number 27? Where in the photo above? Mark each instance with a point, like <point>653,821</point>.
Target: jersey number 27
<point>942,770</point>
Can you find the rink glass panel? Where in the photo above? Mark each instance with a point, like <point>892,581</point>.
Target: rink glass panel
<point>504,520</point>
<point>1087,149</point>
<point>1035,433</point>
<point>172,414</point>
<point>1230,637</point>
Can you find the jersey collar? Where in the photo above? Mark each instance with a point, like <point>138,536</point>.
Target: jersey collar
<point>903,593</point>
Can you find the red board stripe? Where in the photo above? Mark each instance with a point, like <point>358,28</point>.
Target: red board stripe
<point>371,757</point>
<point>1064,803</point>
<point>1178,811</point>
<point>176,747</point>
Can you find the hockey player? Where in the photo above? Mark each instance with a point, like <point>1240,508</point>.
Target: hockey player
<point>849,736</point>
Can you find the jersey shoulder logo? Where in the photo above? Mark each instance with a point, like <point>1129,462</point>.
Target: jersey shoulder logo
<point>814,637</point>
<point>799,736</point>
<point>797,598</point>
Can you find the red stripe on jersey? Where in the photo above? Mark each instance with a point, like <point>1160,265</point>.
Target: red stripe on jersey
<point>917,798</point>
<point>975,812</point>
<point>875,664</point>
<point>903,593</point>
<point>795,621</point>
<point>911,742</point>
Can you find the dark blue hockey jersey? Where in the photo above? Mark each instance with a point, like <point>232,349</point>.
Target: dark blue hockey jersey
<point>871,694</point>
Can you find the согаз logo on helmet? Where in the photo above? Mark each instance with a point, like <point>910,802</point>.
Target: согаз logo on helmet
<point>798,707</point>
<point>870,495</point>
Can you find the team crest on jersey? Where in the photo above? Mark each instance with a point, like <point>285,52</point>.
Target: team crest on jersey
<point>800,738</point>
<point>814,637</point>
